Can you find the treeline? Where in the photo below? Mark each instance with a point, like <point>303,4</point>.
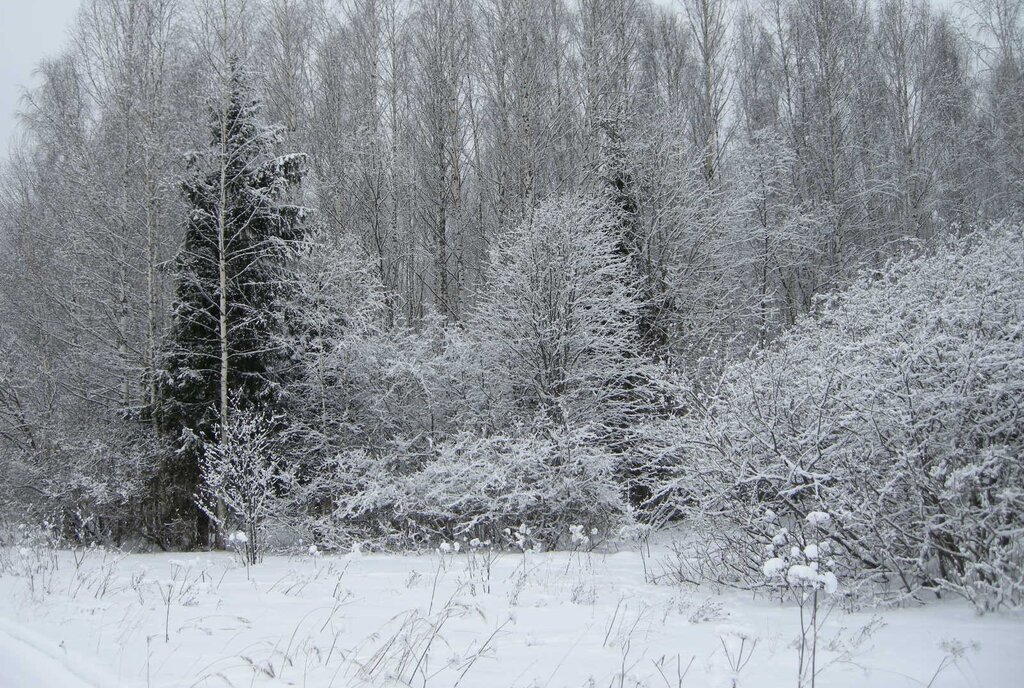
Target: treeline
<point>464,261</point>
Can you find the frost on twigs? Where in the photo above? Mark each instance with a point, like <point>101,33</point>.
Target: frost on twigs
<point>738,645</point>
<point>806,572</point>
<point>801,567</point>
<point>476,487</point>
<point>890,419</point>
<point>245,481</point>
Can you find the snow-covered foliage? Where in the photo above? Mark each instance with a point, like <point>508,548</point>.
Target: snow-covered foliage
<point>557,325</point>
<point>477,487</point>
<point>895,410</point>
<point>245,481</point>
<point>802,568</point>
<point>512,419</point>
<point>87,477</point>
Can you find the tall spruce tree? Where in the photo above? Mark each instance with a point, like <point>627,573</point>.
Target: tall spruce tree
<point>233,276</point>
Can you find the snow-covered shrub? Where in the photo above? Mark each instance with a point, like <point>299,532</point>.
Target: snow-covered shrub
<point>88,481</point>
<point>477,487</point>
<point>799,563</point>
<point>896,409</point>
<point>245,481</point>
<point>363,381</point>
<point>367,384</point>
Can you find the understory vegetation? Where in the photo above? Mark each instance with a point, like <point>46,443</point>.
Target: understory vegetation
<point>894,409</point>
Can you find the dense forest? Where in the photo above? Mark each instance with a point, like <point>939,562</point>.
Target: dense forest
<point>388,271</point>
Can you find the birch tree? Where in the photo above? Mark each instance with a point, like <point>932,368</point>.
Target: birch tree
<point>441,48</point>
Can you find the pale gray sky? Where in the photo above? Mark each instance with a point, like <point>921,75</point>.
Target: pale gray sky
<point>29,31</point>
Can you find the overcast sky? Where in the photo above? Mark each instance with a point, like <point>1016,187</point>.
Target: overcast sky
<point>29,31</point>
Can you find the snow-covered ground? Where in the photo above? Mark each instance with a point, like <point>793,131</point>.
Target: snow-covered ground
<point>540,620</point>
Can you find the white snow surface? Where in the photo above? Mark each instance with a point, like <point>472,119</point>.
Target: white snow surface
<point>544,620</point>
<point>28,660</point>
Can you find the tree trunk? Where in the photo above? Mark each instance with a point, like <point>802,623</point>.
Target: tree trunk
<point>223,310</point>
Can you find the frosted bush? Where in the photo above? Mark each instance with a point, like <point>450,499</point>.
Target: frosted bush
<point>478,487</point>
<point>807,576</point>
<point>245,483</point>
<point>521,536</point>
<point>889,419</point>
<point>799,568</point>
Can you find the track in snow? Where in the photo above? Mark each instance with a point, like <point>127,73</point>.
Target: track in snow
<point>26,663</point>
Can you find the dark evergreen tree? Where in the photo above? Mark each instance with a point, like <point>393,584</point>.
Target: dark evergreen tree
<point>234,275</point>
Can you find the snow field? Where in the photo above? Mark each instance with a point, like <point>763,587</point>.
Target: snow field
<point>98,618</point>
